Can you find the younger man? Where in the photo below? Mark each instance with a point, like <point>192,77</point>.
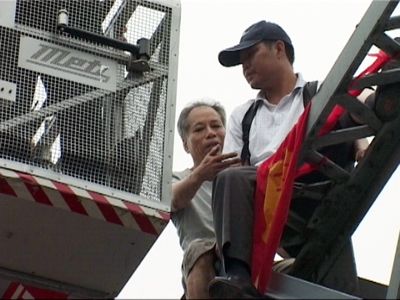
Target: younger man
<point>266,54</point>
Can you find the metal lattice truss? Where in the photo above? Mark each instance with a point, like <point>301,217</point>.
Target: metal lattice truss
<point>75,109</point>
<point>346,196</point>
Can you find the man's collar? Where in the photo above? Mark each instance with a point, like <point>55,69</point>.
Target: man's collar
<point>299,84</point>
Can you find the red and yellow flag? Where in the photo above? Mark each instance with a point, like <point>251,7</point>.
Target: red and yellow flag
<point>275,179</point>
<point>274,182</point>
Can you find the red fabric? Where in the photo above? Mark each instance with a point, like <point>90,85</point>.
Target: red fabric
<point>275,179</point>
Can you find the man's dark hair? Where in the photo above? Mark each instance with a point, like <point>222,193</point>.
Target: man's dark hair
<point>288,49</point>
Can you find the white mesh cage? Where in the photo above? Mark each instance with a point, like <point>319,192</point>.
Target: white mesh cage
<point>71,111</point>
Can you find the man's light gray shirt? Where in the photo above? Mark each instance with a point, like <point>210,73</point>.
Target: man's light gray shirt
<point>195,221</point>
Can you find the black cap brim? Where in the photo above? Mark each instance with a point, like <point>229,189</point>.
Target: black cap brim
<point>231,56</point>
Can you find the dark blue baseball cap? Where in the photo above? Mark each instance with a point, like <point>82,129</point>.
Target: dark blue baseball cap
<point>260,31</point>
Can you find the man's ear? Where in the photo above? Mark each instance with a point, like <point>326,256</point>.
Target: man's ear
<point>185,146</point>
<point>280,47</point>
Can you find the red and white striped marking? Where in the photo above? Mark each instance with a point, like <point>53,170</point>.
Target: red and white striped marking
<point>77,200</point>
<point>17,290</point>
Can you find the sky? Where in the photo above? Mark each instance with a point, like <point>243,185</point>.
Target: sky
<point>319,30</point>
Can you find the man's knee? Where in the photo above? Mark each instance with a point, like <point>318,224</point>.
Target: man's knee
<point>227,174</point>
<point>199,276</point>
<point>235,174</point>
<point>233,185</point>
<point>206,261</point>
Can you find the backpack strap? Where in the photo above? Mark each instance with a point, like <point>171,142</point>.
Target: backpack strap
<point>309,91</point>
<point>246,124</point>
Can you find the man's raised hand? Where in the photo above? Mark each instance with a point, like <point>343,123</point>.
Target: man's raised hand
<point>214,162</point>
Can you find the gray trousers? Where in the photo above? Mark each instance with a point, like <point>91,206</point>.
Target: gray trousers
<point>232,204</point>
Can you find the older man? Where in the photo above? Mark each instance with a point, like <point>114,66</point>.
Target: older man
<point>201,126</point>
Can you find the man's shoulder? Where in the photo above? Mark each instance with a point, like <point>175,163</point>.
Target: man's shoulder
<point>240,110</point>
<point>179,175</point>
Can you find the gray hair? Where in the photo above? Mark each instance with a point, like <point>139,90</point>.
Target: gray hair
<point>183,125</point>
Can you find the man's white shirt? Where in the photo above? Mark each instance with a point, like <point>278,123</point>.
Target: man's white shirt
<point>270,126</point>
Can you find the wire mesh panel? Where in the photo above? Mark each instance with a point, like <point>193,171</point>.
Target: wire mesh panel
<point>75,108</point>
